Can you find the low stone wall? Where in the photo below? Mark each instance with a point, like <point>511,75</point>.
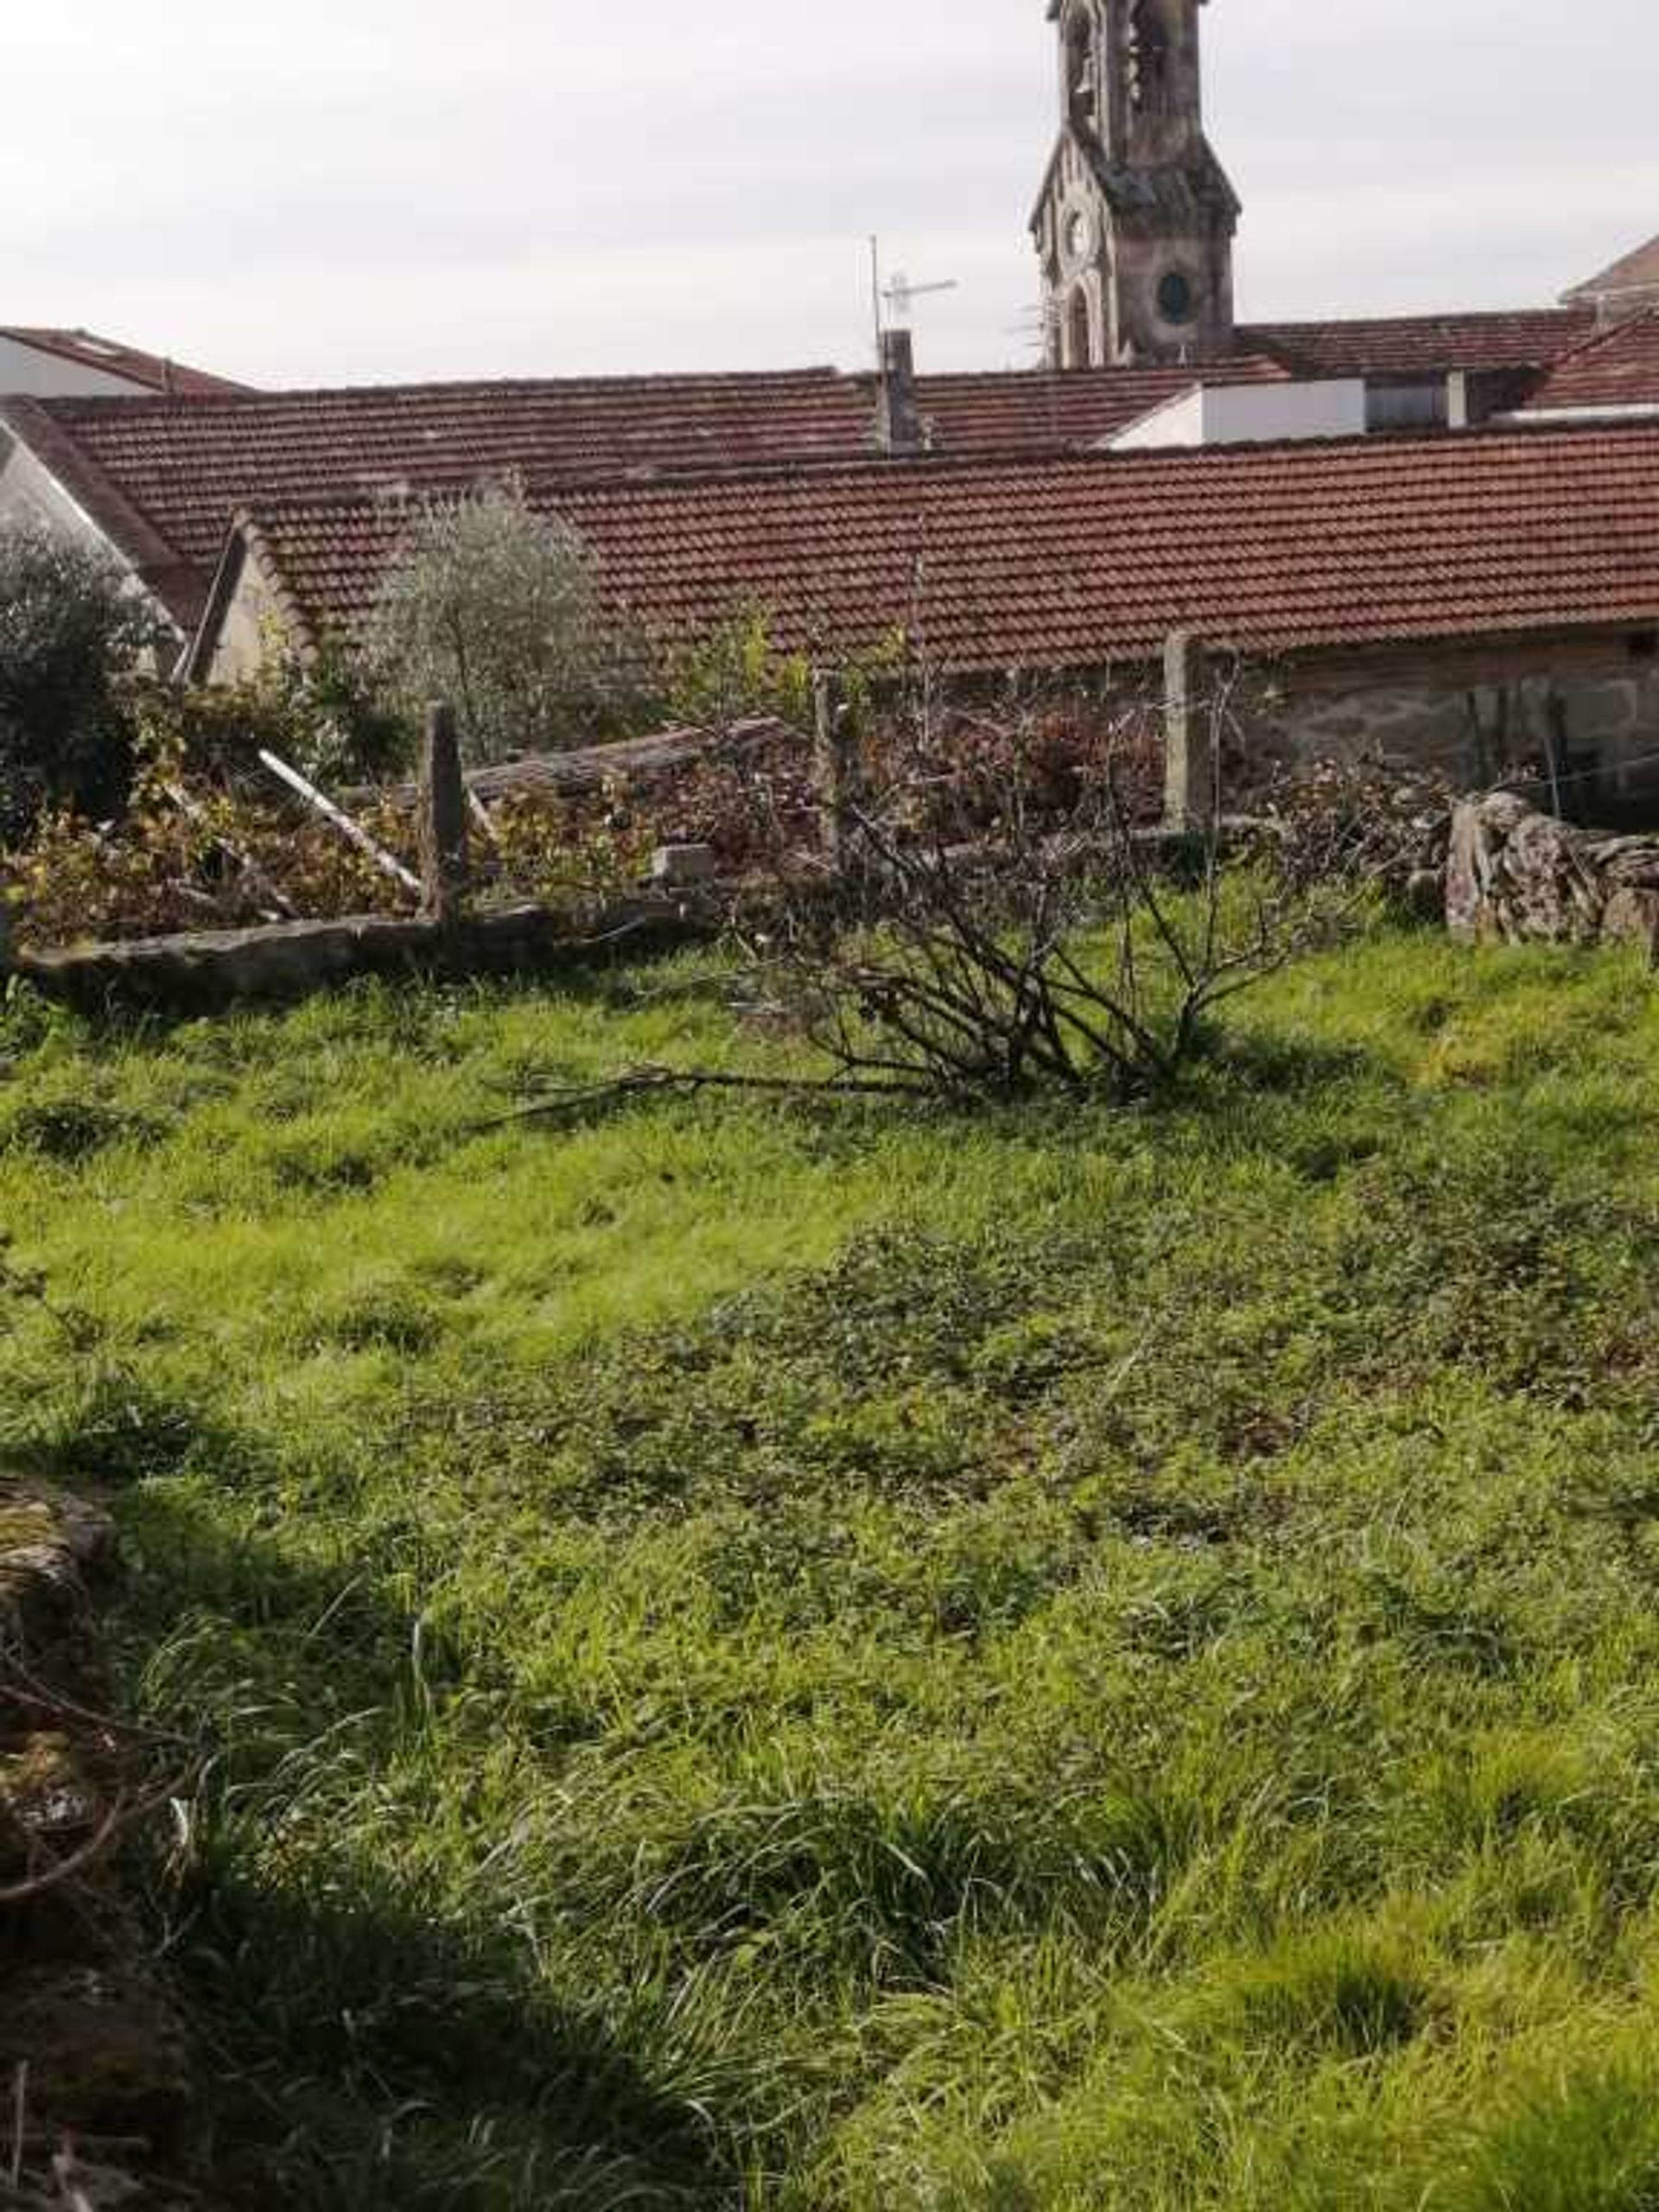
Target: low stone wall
<point>1517,876</point>
<point>208,972</point>
<point>93,2048</point>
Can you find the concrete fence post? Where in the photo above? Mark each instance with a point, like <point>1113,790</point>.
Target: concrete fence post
<point>834,761</point>
<point>1191,738</point>
<point>444,862</point>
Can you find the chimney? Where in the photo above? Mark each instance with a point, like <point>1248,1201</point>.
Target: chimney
<point>898,424</point>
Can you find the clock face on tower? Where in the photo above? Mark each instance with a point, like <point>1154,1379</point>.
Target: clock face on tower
<point>1080,234</point>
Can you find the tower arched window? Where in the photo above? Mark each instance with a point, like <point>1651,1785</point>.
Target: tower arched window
<point>1079,333</point>
<point>1146,56</point>
<point>1080,73</point>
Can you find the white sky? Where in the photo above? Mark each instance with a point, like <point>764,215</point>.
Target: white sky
<point>338,190</point>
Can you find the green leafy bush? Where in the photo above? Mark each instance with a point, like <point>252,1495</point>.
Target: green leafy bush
<point>71,624</point>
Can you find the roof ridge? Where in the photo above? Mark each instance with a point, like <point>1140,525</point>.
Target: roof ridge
<point>237,399</point>
<point>933,467</point>
<point>815,376</point>
<point>1556,314</point>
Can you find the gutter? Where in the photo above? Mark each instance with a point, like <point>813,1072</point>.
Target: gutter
<point>1645,410</point>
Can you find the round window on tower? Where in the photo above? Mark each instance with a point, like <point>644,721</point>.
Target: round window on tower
<point>1177,302</point>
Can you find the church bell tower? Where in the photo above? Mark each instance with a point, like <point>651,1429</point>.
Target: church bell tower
<point>1136,226</point>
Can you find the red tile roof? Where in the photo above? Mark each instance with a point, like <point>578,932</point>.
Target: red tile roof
<point>1076,562</point>
<point>1419,345</point>
<point>183,471</point>
<point>1636,272</point>
<point>154,372</point>
<point>1617,369</point>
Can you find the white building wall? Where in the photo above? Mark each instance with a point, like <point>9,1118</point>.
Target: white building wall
<point>1177,422</point>
<point>1247,414</point>
<point>252,628</point>
<point>27,372</point>
<point>30,494</point>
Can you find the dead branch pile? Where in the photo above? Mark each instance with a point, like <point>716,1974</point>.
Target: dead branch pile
<point>979,908</point>
<point>587,771</point>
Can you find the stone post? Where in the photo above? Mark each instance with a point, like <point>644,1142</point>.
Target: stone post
<point>443,819</point>
<point>1192,740</point>
<point>834,762</point>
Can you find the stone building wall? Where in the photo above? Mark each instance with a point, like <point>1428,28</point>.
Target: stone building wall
<point>1599,725</point>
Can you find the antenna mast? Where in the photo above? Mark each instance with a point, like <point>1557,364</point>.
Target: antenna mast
<point>894,304</point>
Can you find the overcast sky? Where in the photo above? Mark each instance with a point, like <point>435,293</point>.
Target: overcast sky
<point>320,191</point>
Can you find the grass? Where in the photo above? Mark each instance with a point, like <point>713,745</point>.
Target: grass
<point>844,1660</point>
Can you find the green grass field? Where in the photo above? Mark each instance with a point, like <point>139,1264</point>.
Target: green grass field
<point>839,1660</point>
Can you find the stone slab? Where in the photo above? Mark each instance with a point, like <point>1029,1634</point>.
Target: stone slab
<point>209,971</point>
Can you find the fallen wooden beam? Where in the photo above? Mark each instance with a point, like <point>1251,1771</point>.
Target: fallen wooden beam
<point>352,831</point>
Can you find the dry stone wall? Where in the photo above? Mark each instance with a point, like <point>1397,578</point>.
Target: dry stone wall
<point>1517,876</point>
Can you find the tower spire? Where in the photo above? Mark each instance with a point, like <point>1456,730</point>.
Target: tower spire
<point>1135,225</point>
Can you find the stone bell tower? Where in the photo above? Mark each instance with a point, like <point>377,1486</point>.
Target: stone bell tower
<point>1136,221</point>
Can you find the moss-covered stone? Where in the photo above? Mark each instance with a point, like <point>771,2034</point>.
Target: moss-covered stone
<point>49,1545</point>
<point>24,1522</point>
<point>45,1791</point>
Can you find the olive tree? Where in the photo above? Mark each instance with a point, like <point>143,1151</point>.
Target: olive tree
<point>495,607</point>
<point>72,626</point>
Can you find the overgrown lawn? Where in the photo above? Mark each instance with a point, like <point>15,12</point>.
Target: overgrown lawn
<point>837,1659</point>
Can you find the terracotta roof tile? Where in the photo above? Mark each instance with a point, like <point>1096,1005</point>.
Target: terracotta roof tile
<point>184,471</point>
<point>1618,368</point>
<point>1417,345</point>
<point>1071,562</point>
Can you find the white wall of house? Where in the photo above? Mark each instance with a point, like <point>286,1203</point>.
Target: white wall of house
<point>29,493</point>
<point>252,629</point>
<point>1247,414</point>
<point>27,372</point>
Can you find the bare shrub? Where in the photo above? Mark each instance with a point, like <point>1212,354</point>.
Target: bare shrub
<point>994,908</point>
<point>980,903</point>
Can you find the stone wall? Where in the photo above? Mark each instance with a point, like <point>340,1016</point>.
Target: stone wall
<point>95,2055</point>
<point>1600,725</point>
<point>1517,876</point>
<point>208,972</point>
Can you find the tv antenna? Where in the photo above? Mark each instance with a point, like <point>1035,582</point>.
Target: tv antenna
<point>894,302</point>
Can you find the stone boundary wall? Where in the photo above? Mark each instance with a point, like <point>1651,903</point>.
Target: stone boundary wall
<point>207,973</point>
<point>1517,876</point>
